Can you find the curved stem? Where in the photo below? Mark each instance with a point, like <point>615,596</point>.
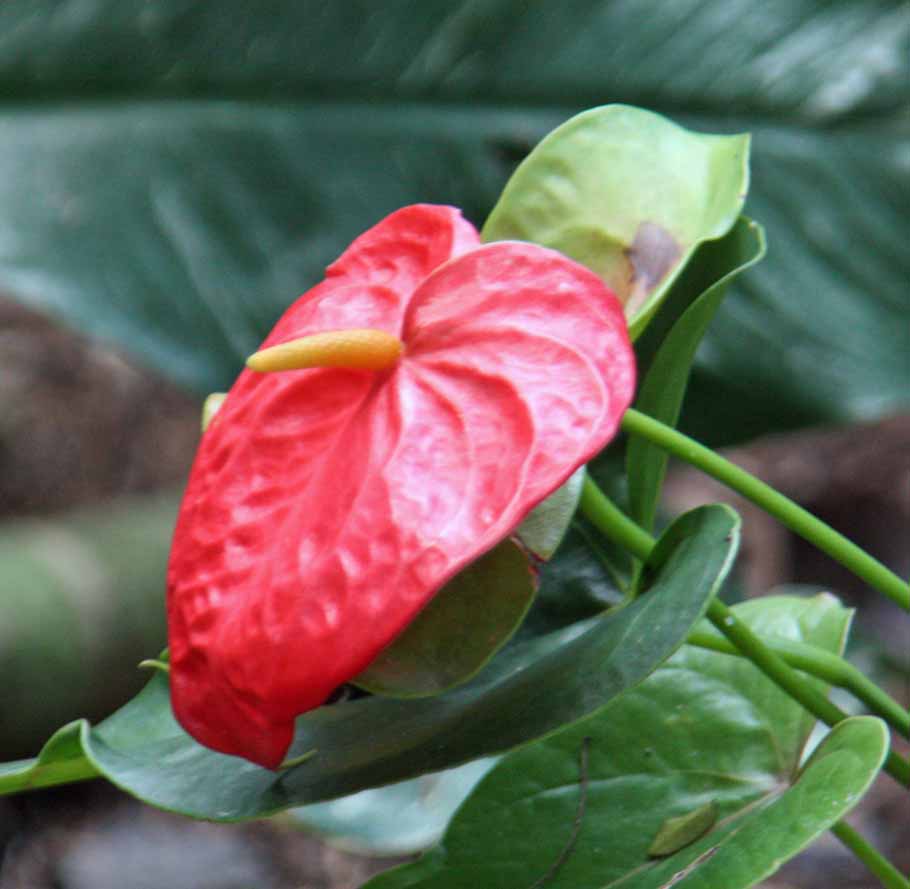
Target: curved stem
<point>783,675</point>
<point>887,874</point>
<point>773,502</point>
<point>609,519</point>
<point>617,526</point>
<point>823,665</point>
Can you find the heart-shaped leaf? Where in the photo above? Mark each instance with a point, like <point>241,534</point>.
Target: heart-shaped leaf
<point>695,774</point>
<point>628,194</point>
<point>532,687</point>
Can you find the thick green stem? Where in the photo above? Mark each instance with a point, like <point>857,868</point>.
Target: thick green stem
<point>888,875</point>
<point>617,526</point>
<point>773,502</point>
<point>826,666</point>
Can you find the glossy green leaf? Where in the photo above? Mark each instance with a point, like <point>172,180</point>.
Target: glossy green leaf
<point>819,620</point>
<point>747,845</point>
<point>576,584</point>
<point>546,525</point>
<point>707,749</point>
<point>532,687</point>
<point>702,286</point>
<point>178,172</point>
<point>627,193</point>
<point>463,626</point>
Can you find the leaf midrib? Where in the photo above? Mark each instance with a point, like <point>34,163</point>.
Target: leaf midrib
<point>315,94</point>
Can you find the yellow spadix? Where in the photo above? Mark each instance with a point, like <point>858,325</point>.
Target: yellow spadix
<point>357,349</point>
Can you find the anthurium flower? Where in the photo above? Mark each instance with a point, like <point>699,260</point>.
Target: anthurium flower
<point>328,504</point>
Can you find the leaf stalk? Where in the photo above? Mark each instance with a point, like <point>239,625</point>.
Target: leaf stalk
<point>797,519</point>
<point>887,874</point>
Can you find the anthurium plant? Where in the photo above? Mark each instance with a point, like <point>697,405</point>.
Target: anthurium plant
<point>419,540</point>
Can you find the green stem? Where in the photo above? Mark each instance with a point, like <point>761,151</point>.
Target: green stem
<point>617,526</point>
<point>889,876</point>
<point>773,502</point>
<point>826,666</point>
<point>784,676</point>
<point>612,522</point>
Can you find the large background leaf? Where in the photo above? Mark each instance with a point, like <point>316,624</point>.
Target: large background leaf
<point>704,731</point>
<point>175,173</point>
<point>530,688</point>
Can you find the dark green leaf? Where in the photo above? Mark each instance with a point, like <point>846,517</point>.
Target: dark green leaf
<point>703,285</point>
<point>529,689</point>
<point>706,744</point>
<point>576,584</point>
<point>464,625</point>
<point>628,194</point>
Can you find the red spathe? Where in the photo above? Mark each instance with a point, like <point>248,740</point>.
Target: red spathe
<point>327,506</point>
